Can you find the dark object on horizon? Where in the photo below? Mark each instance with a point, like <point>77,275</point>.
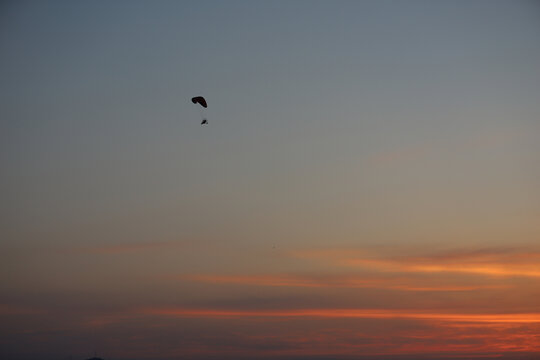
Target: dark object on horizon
<point>204,122</point>
<point>199,100</point>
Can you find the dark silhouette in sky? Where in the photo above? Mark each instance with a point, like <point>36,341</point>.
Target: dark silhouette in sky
<point>202,101</point>
<point>199,100</point>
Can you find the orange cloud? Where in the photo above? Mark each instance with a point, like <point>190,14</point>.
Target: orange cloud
<point>432,266</point>
<point>420,332</point>
<point>347,313</point>
<point>344,281</point>
<point>491,262</point>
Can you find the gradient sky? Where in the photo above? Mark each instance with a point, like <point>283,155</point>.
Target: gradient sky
<point>368,185</point>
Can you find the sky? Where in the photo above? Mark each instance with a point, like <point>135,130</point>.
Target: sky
<point>367,185</point>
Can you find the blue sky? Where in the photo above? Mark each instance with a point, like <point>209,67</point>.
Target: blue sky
<point>380,127</point>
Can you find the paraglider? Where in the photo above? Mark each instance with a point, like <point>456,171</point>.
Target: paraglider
<point>201,101</point>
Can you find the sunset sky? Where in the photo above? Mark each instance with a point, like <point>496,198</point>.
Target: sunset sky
<point>368,185</point>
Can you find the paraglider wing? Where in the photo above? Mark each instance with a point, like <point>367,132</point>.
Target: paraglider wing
<point>199,100</point>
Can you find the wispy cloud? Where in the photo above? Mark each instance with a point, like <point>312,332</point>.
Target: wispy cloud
<point>491,262</point>
<point>346,313</point>
<point>333,281</point>
<point>339,331</point>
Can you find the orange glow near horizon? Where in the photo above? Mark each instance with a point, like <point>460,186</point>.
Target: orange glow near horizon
<point>426,332</point>
<point>347,313</point>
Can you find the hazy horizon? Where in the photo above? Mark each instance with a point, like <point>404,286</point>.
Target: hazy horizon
<point>367,185</point>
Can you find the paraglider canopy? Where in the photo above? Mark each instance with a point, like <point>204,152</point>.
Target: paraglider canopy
<point>199,100</point>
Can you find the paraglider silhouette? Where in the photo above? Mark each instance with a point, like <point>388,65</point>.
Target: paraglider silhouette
<point>201,101</point>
